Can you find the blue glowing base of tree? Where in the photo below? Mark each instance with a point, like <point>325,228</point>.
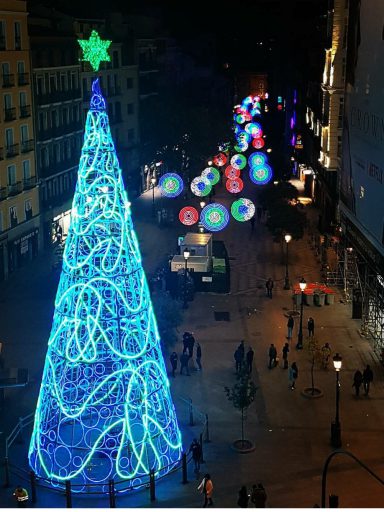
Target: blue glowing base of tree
<point>104,410</point>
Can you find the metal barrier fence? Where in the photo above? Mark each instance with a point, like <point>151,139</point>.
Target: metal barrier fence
<point>67,488</point>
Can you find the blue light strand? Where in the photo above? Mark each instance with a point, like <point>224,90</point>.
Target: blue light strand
<point>104,409</point>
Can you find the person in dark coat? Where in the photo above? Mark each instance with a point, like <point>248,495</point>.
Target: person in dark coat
<point>198,356</point>
<point>238,359</point>
<point>367,379</point>
<point>184,359</point>
<point>272,356</point>
<point>186,337</point>
<point>190,345</point>
<point>173,358</point>
<point>285,355</point>
<point>269,287</point>
<point>357,381</point>
<point>241,349</point>
<point>195,449</point>
<point>290,324</point>
<point>311,327</point>
<point>258,496</point>
<point>249,359</point>
<point>243,497</point>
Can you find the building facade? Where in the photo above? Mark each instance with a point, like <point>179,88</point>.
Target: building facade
<point>19,199</point>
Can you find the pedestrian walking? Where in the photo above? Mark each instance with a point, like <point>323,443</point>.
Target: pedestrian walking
<point>290,324</point>
<point>173,358</point>
<point>367,379</point>
<point>311,327</point>
<point>206,488</point>
<point>21,496</point>
<point>272,353</point>
<point>198,356</point>
<point>184,359</point>
<point>241,348</point>
<point>258,495</point>
<point>249,359</point>
<point>190,344</point>
<point>285,355</point>
<point>357,381</point>
<point>238,359</point>
<point>186,337</point>
<point>195,449</point>
<point>243,498</point>
<point>325,355</point>
<point>292,375</point>
<point>269,287</point>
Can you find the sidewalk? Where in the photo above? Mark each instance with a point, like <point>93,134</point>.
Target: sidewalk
<point>291,433</point>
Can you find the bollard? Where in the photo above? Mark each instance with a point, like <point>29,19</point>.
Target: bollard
<point>184,468</point>
<point>21,438</point>
<point>152,489</point>
<point>68,494</point>
<point>202,461</point>
<point>190,413</point>
<point>207,440</point>
<point>6,472</point>
<point>32,478</point>
<point>112,496</point>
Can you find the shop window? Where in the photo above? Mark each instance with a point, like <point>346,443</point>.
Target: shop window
<point>13,216</point>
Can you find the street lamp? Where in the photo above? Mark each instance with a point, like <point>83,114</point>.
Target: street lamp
<point>186,255</point>
<point>153,182</point>
<point>287,239</point>
<point>335,425</point>
<point>303,285</point>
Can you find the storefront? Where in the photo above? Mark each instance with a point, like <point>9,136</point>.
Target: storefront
<point>23,249</point>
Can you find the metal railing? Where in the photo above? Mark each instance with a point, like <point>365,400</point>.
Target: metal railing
<point>25,111</point>
<point>27,145</point>
<point>10,114</point>
<point>12,150</point>
<point>8,80</point>
<point>23,78</point>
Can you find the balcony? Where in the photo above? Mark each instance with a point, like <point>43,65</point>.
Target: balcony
<point>29,183</point>
<point>3,193</point>
<point>23,79</point>
<point>8,81</point>
<point>58,96</point>
<point>27,145</point>
<point>25,111</point>
<point>15,188</point>
<point>11,150</point>
<point>10,114</point>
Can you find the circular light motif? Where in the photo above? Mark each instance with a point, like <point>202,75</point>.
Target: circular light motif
<point>258,143</point>
<point>212,174</point>
<point>238,161</point>
<point>253,129</point>
<point>255,112</point>
<point>220,159</point>
<point>214,217</point>
<point>243,136</point>
<point>240,110</point>
<point>257,159</point>
<point>247,100</point>
<point>243,209</point>
<point>234,186</point>
<point>261,175</point>
<point>188,215</point>
<point>241,146</point>
<point>232,173</point>
<point>201,186</point>
<point>240,119</point>
<point>171,184</point>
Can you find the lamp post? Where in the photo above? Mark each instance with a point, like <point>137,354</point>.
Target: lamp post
<point>335,425</point>
<point>186,255</point>
<point>303,285</point>
<point>287,239</point>
<point>153,183</point>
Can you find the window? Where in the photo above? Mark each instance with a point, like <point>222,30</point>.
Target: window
<point>24,133</point>
<point>52,83</point>
<point>40,85</point>
<point>17,35</point>
<point>115,58</point>
<point>129,83</point>
<point>65,114</point>
<point>339,146</point>
<point>54,118</point>
<point>131,135</point>
<point>13,216</point>
<point>23,99</point>
<point>9,137</point>
<point>130,109</point>
<point>7,101</point>
<point>44,157</point>
<point>20,67</point>
<point>11,173</point>
<point>5,70</point>
<point>2,35</point>
<point>118,111</point>
<point>28,209</point>
<point>63,82</point>
<point>26,170</point>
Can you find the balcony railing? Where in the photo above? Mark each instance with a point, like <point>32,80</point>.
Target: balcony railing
<point>23,78</point>
<point>8,80</point>
<point>10,114</point>
<point>29,183</point>
<point>11,150</point>
<point>27,145</point>
<point>3,193</point>
<point>58,96</point>
<point>15,188</point>
<point>25,111</point>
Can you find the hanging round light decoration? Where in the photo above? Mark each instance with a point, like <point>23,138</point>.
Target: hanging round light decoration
<point>253,129</point>
<point>241,146</point>
<point>258,143</point>
<point>238,161</point>
<point>188,215</point>
<point>247,101</point>
<point>214,217</point>
<point>201,186</point>
<point>240,119</point>
<point>243,136</point>
<point>234,186</point>
<point>220,159</point>
<point>255,112</point>
<point>243,209</point>
<point>212,174</point>
<point>248,117</point>
<point>261,175</point>
<point>171,184</point>
<point>257,159</point>
<point>232,173</point>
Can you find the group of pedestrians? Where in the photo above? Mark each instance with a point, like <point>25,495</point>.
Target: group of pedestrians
<point>291,324</point>
<point>187,355</point>
<point>242,358</point>
<point>257,496</point>
<point>363,379</point>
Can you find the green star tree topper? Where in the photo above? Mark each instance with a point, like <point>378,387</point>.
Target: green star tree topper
<point>95,50</point>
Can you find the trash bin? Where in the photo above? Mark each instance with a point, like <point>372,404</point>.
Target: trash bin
<point>297,299</point>
<point>316,299</point>
<point>329,298</point>
<point>321,299</point>
<point>309,299</point>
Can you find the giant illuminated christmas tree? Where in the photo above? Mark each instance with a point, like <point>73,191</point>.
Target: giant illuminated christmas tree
<point>104,410</point>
